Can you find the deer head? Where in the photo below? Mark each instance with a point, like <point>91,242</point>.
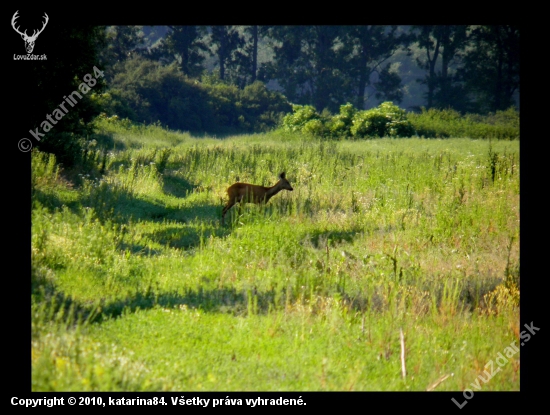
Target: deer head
<point>29,40</point>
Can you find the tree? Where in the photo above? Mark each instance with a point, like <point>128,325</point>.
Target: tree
<point>187,45</point>
<point>253,31</point>
<point>388,86</point>
<point>329,65</point>
<point>227,41</point>
<point>121,41</point>
<point>45,85</point>
<point>246,62</point>
<point>491,67</point>
<point>306,64</point>
<point>368,47</point>
<point>446,42</point>
<point>241,67</point>
<point>144,90</point>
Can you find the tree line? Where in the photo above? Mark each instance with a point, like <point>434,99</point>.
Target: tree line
<point>469,68</point>
<point>216,78</point>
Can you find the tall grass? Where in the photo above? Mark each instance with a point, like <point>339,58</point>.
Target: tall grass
<point>306,293</point>
<point>435,123</point>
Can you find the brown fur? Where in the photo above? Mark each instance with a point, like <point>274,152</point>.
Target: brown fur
<point>252,193</point>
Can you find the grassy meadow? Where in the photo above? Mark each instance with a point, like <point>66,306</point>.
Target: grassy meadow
<point>136,285</point>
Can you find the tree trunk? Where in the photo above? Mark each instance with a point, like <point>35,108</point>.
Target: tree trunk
<point>254,52</point>
<point>221,57</point>
<point>364,73</point>
<point>432,79</point>
<point>322,68</point>
<point>500,59</point>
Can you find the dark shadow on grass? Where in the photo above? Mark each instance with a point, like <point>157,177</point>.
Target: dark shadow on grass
<point>320,239</point>
<point>139,209</point>
<point>136,249</point>
<point>115,204</point>
<point>177,185</point>
<point>108,142</point>
<point>241,302</point>
<point>186,237</point>
<point>52,202</point>
<point>220,300</point>
<point>122,206</point>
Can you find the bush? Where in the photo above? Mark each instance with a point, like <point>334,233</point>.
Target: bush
<point>340,125</point>
<point>315,127</point>
<point>146,91</point>
<point>387,120</point>
<point>301,115</point>
<point>262,109</point>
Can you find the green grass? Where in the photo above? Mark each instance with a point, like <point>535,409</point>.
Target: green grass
<point>138,286</point>
<point>449,123</point>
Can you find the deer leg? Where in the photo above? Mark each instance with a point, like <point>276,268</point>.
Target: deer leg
<point>226,208</point>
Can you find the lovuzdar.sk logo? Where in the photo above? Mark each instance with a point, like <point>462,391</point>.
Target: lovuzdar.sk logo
<point>29,40</point>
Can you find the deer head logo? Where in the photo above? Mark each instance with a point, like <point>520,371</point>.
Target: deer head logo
<point>29,40</point>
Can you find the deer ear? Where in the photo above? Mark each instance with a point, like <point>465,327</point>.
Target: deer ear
<point>282,175</point>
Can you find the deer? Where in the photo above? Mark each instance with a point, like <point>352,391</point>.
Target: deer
<point>29,40</point>
<point>252,193</point>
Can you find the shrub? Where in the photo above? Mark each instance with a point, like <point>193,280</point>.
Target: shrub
<point>301,114</point>
<point>340,125</point>
<point>388,120</point>
<point>146,91</point>
<point>385,120</point>
<point>262,109</point>
<point>315,127</point>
